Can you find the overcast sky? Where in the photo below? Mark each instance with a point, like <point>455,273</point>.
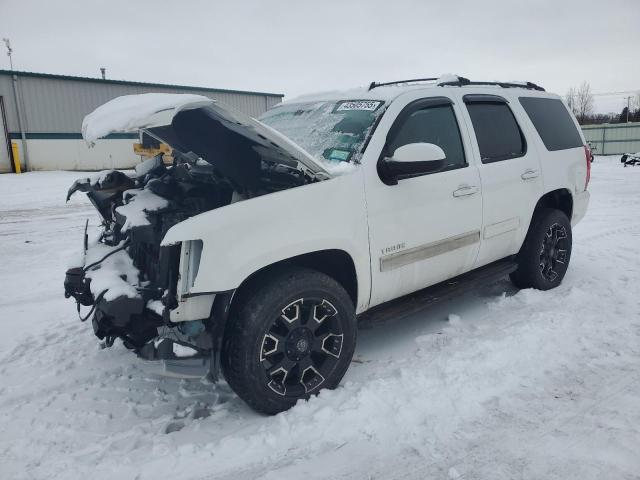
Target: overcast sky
<point>295,47</point>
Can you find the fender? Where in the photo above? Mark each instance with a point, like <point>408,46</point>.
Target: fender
<point>241,238</point>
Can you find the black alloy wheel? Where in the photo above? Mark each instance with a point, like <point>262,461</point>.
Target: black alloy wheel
<point>291,334</point>
<point>553,251</point>
<point>544,257</point>
<point>302,347</point>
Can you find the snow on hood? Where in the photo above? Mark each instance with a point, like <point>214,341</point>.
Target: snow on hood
<point>130,113</point>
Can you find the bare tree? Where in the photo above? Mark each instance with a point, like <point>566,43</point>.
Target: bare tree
<point>584,102</point>
<point>580,101</point>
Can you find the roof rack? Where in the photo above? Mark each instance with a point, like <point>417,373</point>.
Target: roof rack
<point>373,85</point>
<point>462,82</point>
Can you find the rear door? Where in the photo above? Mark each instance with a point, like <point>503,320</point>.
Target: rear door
<point>510,174</point>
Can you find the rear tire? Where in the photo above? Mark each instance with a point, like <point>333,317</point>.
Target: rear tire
<point>544,257</point>
<point>291,335</point>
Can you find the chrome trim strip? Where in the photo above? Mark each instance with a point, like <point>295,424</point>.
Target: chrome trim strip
<point>430,250</point>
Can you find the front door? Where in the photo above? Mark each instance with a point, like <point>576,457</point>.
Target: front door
<point>425,229</point>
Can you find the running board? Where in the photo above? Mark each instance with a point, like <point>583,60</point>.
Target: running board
<point>414,302</point>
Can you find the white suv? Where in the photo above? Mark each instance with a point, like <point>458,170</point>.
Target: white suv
<point>257,245</point>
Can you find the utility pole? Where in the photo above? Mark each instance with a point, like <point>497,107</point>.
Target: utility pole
<point>7,43</point>
<point>628,107</point>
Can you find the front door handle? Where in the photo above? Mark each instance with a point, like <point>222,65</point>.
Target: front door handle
<point>465,191</point>
<point>529,174</point>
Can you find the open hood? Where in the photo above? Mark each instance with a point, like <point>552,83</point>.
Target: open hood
<point>228,139</point>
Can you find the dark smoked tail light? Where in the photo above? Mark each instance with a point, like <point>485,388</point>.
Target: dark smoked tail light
<point>588,157</point>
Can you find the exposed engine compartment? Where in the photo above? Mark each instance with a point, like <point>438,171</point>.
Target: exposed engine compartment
<point>127,278</point>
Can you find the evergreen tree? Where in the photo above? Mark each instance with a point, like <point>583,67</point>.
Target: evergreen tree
<point>623,115</point>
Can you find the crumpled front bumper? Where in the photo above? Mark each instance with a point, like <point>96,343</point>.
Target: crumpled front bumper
<point>122,316</point>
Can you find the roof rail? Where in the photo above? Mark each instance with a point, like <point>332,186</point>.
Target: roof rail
<point>373,85</point>
<point>461,82</point>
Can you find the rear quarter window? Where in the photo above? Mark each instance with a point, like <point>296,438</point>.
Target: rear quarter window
<point>553,122</point>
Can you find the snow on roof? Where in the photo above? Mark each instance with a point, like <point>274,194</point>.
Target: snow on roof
<point>359,93</point>
<point>382,92</point>
<point>390,92</point>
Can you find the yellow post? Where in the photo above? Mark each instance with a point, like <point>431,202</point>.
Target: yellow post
<point>16,156</point>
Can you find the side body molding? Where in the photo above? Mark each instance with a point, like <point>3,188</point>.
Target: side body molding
<point>423,252</point>
<point>244,237</point>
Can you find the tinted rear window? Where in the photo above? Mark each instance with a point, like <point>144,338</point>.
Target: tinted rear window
<point>499,136</point>
<point>553,122</point>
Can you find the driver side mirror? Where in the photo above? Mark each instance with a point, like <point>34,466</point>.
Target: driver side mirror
<point>411,160</point>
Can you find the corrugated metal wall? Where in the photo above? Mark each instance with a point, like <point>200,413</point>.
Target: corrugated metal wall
<point>57,105</point>
<point>613,139</point>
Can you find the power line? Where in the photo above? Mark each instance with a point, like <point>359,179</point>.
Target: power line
<point>615,93</point>
<point>605,94</point>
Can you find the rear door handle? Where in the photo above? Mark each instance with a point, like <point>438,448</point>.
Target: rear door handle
<point>529,174</point>
<point>465,191</point>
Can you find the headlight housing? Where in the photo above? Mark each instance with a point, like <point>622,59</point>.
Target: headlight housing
<point>189,264</point>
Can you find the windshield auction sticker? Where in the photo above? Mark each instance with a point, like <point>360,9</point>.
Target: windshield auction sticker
<point>366,105</point>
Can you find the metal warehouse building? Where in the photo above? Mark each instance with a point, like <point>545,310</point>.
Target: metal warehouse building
<point>612,139</point>
<point>52,108</point>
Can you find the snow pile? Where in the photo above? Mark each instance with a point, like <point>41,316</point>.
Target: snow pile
<point>155,306</point>
<point>140,202</point>
<point>132,112</point>
<point>98,178</point>
<point>337,168</point>
<point>116,274</point>
<point>182,351</point>
<point>446,78</point>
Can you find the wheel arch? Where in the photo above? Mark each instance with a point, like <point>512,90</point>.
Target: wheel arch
<point>337,264</point>
<point>560,199</point>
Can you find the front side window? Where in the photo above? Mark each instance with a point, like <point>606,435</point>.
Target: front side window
<point>435,125</point>
<point>499,136</point>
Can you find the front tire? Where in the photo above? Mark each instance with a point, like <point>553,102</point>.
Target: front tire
<point>544,257</point>
<point>290,336</point>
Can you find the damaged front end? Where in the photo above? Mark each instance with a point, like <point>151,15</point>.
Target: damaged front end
<point>139,291</point>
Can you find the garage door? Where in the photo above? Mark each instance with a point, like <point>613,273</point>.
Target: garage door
<point>5,160</point>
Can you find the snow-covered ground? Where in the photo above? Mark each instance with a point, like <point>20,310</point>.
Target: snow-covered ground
<point>496,384</point>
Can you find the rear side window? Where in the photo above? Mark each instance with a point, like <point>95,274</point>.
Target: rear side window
<point>553,122</point>
<point>499,136</point>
